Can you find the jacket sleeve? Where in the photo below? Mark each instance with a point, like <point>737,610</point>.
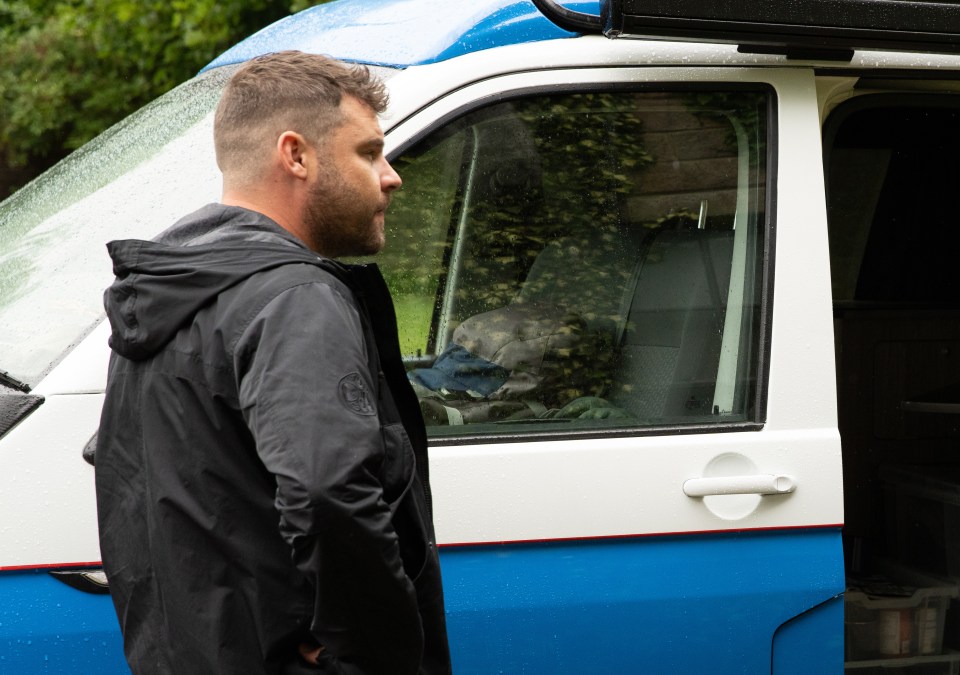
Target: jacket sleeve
<point>310,403</point>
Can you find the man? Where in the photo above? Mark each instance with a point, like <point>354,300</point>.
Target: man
<point>261,464</point>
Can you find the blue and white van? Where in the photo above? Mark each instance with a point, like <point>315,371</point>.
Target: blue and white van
<point>727,232</point>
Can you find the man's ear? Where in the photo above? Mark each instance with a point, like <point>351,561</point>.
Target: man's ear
<point>294,154</point>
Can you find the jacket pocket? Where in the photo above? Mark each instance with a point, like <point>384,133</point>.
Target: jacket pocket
<point>398,470</point>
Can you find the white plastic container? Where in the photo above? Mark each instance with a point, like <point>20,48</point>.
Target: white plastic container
<point>887,621</point>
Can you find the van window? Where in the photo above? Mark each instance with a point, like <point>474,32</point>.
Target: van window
<point>584,261</point>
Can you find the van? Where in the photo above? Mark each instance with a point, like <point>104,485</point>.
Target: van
<point>710,252</point>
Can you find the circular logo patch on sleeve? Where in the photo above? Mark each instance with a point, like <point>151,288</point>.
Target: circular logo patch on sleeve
<point>355,395</point>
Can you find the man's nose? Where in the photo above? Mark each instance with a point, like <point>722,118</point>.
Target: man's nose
<point>389,179</point>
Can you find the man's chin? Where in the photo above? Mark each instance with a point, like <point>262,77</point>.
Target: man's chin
<point>377,246</point>
<point>370,247</point>
<point>379,234</point>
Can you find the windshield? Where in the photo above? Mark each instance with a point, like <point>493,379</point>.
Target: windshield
<point>133,181</point>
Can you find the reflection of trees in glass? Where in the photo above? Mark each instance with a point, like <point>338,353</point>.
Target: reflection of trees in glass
<point>419,218</point>
<point>548,220</point>
<point>578,156</point>
<point>418,225</point>
<point>541,168</point>
<point>748,108</point>
<point>576,172</point>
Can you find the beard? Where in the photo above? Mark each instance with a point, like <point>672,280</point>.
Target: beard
<point>343,220</point>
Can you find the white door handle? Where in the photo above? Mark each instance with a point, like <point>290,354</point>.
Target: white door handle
<point>762,484</point>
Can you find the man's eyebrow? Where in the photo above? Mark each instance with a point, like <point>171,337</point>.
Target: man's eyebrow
<point>374,143</point>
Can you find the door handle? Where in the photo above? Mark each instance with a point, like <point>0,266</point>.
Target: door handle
<point>760,484</point>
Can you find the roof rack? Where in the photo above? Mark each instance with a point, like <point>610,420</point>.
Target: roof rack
<point>576,22</point>
<point>804,28</point>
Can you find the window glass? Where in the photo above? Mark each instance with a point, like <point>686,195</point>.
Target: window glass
<point>53,260</point>
<point>583,261</point>
<point>133,181</point>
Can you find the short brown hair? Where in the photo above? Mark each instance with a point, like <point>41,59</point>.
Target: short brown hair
<point>285,91</point>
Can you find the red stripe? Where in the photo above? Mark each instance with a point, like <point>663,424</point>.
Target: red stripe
<point>506,542</point>
<point>615,537</point>
<point>48,566</point>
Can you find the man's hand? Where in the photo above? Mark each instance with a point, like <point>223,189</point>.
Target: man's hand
<point>311,653</point>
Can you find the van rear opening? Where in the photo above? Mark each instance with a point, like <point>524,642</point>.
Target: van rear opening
<point>892,172</point>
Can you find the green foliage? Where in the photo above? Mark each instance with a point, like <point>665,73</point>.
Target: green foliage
<point>541,169</point>
<point>74,67</point>
<point>744,106</point>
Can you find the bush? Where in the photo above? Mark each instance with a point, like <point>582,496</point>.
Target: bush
<point>72,68</point>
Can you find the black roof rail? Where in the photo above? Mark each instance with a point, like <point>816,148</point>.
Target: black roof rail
<point>576,22</point>
<point>814,27</point>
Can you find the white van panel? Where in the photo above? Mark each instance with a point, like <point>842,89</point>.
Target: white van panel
<point>625,487</point>
<point>48,503</point>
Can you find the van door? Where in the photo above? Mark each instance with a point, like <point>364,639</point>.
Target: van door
<point>635,458</point>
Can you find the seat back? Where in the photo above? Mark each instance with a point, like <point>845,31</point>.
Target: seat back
<point>585,274</point>
<point>669,346</point>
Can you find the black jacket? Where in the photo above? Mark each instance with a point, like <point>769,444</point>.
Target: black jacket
<point>261,466</point>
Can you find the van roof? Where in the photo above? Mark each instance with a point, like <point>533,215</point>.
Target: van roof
<point>401,33</point>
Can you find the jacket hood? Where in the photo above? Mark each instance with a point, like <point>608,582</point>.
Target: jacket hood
<point>160,285</point>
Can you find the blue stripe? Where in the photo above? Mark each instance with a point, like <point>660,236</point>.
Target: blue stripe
<point>402,33</point>
<point>682,604</point>
<point>48,627</point>
<point>810,633</point>
<point>685,604</point>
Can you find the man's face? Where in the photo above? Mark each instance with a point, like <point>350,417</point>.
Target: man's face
<point>349,198</point>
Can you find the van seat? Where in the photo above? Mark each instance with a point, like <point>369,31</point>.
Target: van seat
<point>670,344</point>
<point>585,274</point>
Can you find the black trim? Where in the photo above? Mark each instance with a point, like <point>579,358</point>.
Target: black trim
<point>593,434</point>
<point>910,25</point>
<point>798,53</point>
<point>567,19</point>
<point>82,581</point>
<point>8,380</point>
<point>89,452</point>
<point>14,407</point>
<point>768,271</point>
<point>867,74</point>
<point>764,341</point>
